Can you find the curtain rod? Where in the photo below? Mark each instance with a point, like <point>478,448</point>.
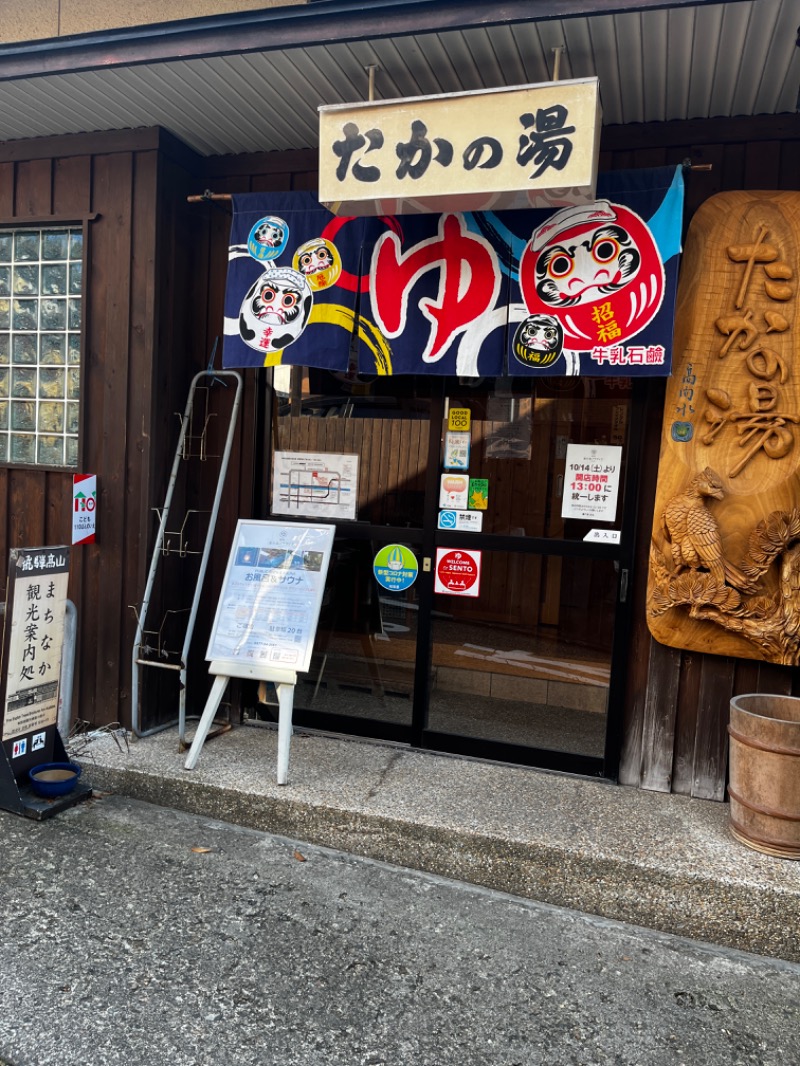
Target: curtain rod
<point>208,195</point>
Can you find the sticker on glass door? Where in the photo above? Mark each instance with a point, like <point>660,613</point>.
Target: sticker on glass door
<point>458,572</point>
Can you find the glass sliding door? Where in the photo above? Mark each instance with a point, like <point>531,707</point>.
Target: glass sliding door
<point>362,676</point>
<point>526,666</point>
<point>528,662</point>
<point>508,668</point>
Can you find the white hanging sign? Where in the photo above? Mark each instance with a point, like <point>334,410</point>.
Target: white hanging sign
<point>591,482</point>
<point>533,145</point>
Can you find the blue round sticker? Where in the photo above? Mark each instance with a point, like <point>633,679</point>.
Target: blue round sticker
<point>682,431</point>
<point>395,567</point>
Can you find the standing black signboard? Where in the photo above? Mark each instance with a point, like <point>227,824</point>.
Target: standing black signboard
<point>33,640</point>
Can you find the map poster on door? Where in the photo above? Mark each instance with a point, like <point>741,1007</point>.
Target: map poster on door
<point>269,605</point>
<point>591,482</point>
<point>315,485</point>
<point>32,645</point>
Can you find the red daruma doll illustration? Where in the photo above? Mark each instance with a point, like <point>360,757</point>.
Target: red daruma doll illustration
<point>597,269</point>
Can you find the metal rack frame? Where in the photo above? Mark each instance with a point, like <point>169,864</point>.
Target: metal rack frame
<point>183,453</point>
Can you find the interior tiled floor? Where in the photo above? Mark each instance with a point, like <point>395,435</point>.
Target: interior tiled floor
<point>579,732</point>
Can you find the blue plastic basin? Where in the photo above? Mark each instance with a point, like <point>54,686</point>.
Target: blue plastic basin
<point>54,778</point>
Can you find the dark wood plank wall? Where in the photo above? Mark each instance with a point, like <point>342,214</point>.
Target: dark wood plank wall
<point>676,706</point>
<point>173,299</point>
<point>114,177</point>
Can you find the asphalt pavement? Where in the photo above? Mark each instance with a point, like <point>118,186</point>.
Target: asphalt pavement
<point>663,861</point>
<point>140,935</point>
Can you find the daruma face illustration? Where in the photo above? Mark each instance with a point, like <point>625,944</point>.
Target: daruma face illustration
<point>275,310</point>
<point>538,341</point>
<point>268,238</point>
<point>597,269</point>
<point>319,262</point>
<point>578,271</point>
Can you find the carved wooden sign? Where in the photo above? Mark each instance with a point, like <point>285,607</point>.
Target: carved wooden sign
<point>725,553</point>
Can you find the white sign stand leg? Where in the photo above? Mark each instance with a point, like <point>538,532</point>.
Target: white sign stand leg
<point>284,681</point>
<point>285,705</point>
<point>204,725</point>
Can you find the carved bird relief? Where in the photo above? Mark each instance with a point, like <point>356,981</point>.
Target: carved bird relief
<point>693,533</point>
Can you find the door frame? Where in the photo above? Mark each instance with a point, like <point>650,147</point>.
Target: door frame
<point>426,540</point>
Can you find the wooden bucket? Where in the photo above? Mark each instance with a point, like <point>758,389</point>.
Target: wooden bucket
<point>764,785</point>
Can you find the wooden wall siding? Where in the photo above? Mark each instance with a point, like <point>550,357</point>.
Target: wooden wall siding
<point>182,296</point>
<point>162,274</point>
<point>37,503</point>
<point>677,703</point>
<point>116,177</point>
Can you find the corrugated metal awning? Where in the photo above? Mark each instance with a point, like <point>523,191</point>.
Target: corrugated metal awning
<point>655,64</point>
